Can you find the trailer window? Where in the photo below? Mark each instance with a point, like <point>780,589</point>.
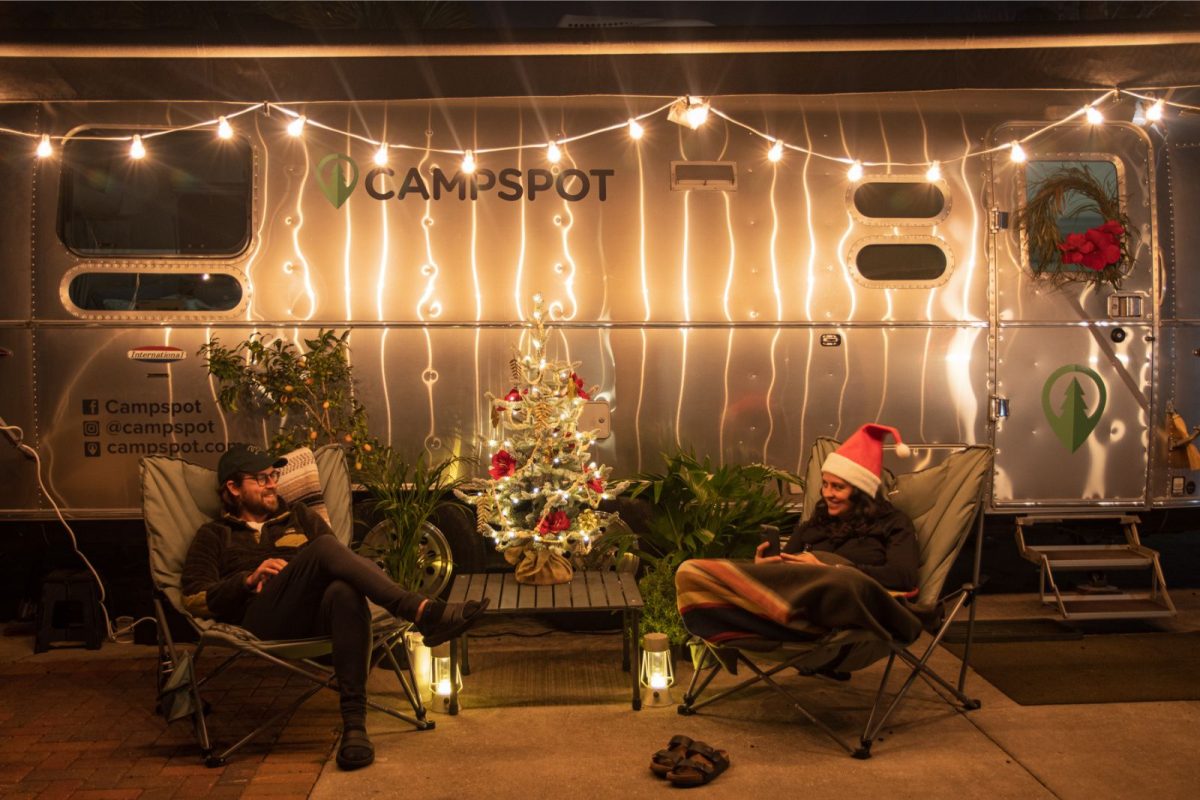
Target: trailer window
<point>899,200</point>
<point>154,291</point>
<point>189,196</point>
<point>1079,214</point>
<point>900,262</point>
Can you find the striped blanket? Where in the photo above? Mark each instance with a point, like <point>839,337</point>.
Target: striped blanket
<point>723,600</point>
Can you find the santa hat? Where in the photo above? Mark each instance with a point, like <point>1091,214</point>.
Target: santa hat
<point>859,461</point>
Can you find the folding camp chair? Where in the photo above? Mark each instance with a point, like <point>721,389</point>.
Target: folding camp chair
<point>177,498</point>
<point>942,502</point>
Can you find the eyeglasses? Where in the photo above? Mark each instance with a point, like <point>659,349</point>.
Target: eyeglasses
<point>264,478</point>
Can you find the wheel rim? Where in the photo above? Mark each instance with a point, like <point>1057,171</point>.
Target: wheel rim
<point>435,561</point>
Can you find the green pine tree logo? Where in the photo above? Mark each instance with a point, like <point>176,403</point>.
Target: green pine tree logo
<point>332,178</point>
<point>1073,424</point>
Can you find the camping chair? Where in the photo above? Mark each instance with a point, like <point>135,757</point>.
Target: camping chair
<point>177,498</point>
<point>942,502</point>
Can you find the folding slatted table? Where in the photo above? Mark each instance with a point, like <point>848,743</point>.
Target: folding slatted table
<point>592,590</point>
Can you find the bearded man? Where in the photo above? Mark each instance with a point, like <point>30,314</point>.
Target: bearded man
<point>278,571</point>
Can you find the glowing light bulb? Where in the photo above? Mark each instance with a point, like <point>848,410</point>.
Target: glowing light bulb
<point>696,114</point>
<point>776,151</point>
<point>224,129</point>
<point>44,148</point>
<point>468,162</point>
<point>381,155</point>
<point>1139,113</point>
<point>636,131</point>
<point>934,173</point>
<point>855,172</point>
<point>296,127</point>
<point>137,149</point>
<point>553,153</point>
<point>1017,153</point>
<point>1155,112</point>
<point>1094,117</point>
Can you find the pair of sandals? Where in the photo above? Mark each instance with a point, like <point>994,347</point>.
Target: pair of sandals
<point>685,762</point>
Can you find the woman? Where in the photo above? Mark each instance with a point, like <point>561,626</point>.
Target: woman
<point>853,525</point>
<point>839,569</point>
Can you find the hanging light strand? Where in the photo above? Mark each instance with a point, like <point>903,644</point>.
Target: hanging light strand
<point>635,129</point>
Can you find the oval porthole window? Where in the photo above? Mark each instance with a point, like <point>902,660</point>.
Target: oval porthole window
<point>899,200</point>
<point>900,262</point>
<point>154,291</point>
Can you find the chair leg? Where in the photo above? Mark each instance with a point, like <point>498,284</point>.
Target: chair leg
<point>411,692</point>
<point>166,648</point>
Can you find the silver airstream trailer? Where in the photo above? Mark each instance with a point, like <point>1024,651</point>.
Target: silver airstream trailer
<point>722,300</point>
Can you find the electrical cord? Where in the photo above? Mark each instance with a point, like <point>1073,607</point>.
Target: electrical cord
<point>17,436</point>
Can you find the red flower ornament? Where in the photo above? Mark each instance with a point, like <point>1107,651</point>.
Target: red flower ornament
<point>554,522</point>
<point>579,390</point>
<point>503,465</point>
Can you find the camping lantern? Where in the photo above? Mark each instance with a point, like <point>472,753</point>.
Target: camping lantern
<point>443,681</point>
<point>419,662</point>
<point>658,673</point>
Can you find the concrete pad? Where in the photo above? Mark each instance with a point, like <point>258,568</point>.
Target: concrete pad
<point>929,750</point>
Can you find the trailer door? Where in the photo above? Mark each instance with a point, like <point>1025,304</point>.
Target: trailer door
<point>1072,359</point>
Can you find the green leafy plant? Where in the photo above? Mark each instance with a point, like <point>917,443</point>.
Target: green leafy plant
<point>701,512</point>
<point>406,494</point>
<point>309,394</point>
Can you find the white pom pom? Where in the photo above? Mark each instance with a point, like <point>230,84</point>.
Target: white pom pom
<point>902,450</point>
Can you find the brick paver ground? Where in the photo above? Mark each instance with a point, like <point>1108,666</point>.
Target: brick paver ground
<point>87,729</point>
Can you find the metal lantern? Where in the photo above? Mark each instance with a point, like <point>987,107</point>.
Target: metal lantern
<point>446,684</point>
<point>658,672</point>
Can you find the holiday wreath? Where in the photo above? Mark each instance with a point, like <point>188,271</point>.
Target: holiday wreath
<point>1101,254</point>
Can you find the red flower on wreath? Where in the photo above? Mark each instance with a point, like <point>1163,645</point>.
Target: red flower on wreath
<point>596,484</point>
<point>1095,248</point>
<point>579,390</point>
<point>513,395</point>
<point>554,522</point>
<point>503,465</point>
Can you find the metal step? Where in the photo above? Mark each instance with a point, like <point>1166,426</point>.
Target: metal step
<point>1093,556</point>
<point>1114,606</point>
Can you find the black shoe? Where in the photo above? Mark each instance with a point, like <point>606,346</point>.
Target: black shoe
<point>355,750</point>
<point>453,620</point>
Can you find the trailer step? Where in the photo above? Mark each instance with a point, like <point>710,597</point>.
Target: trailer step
<point>1099,601</point>
<point>1114,606</point>
<point>1095,556</point>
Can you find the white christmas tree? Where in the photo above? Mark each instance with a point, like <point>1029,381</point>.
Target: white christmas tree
<point>544,488</point>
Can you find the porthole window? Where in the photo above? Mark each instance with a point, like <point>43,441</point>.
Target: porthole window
<point>154,291</point>
<point>900,262</point>
<point>895,200</point>
<point>189,196</point>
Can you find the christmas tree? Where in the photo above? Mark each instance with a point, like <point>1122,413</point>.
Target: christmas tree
<point>543,489</point>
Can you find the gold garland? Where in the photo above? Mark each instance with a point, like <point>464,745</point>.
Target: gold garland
<point>1039,221</point>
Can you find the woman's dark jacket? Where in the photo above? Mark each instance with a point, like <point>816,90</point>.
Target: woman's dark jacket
<point>884,547</point>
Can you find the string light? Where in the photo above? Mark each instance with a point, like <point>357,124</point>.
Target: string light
<point>776,151</point>
<point>553,154</point>
<point>1017,153</point>
<point>687,110</point>
<point>381,155</point>
<point>934,173</point>
<point>137,149</point>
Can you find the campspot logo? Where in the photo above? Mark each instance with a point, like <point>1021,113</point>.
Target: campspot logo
<point>337,174</point>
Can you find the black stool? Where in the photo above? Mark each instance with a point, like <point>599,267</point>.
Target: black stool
<point>69,611</point>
